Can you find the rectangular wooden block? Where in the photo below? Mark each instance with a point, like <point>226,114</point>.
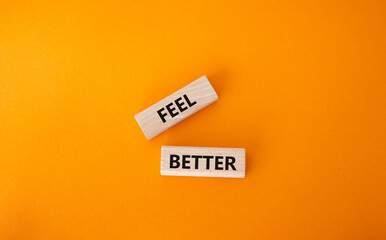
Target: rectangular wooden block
<point>203,161</point>
<point>176,107</point>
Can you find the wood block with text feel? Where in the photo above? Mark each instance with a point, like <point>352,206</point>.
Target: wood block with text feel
<point>203,161</point>
<point>176,107</point>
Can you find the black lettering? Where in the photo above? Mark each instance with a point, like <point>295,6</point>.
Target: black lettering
<point>218,163</point>
<point>196,160</point>
<point>174,159</point>
<point>190,104</point>
<point>171,109</point>
<point>207,161</point>
<point>229,161</point>
<point>162,116</point>
<point>184,161</point>
<point>180,104</point>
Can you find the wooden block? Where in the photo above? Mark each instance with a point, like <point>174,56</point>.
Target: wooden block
<point>203,161</point>
<point>176,107</point>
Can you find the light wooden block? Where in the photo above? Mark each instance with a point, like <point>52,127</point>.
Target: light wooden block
<point>176,107</point>
<point>203,161</point>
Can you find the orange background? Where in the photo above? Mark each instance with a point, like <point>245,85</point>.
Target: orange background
<point>301,86</point>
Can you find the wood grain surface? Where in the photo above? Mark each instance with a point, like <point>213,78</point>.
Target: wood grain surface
<point>176,107</point>
<point>203,161</point>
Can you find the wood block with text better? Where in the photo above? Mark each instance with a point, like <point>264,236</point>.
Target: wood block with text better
<point>203,161</point>
<point>176,107</point>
